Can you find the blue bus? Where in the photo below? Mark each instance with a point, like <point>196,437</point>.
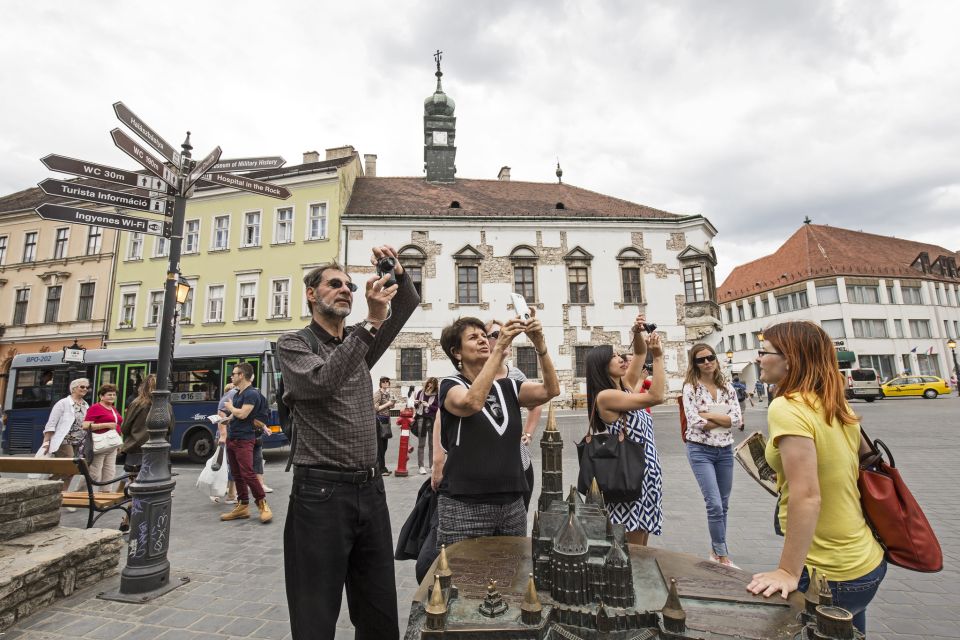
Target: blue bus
<point>199,374</point>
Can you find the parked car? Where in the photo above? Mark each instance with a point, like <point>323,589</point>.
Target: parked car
<point>863,384</point>
<point>926,386</point>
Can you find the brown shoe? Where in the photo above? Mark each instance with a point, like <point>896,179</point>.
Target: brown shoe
<point>266,515</point>
<point>239,512</point>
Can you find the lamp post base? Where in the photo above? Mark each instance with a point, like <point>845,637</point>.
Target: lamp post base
<point>146,596</point>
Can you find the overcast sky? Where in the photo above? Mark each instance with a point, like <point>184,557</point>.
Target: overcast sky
<point>752,113</point>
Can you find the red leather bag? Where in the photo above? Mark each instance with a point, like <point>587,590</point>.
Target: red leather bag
<point>892,512</point>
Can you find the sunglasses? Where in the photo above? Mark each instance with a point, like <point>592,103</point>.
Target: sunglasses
<point>336,283</point>
<point>82,386</point>
<point>704,359</point>
<point>762,353</point>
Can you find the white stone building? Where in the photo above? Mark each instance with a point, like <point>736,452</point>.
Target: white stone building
<point>889,304</point>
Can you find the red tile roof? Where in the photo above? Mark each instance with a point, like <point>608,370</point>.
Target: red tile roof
<point>817,250</point>
<point>489,198</point>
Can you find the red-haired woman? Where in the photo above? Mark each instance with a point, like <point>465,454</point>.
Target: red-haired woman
<point>814,448</point>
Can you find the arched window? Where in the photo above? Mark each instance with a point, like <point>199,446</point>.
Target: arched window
<point>524,259</point>
<point>631,275</point>
<point>413,259</point>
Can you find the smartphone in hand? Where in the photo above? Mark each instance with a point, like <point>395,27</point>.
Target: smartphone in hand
<point>520,306</point>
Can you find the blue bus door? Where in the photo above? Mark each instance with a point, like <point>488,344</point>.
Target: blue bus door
<point>230,363</point>
<point>106,374</point>
<point>133,376</point>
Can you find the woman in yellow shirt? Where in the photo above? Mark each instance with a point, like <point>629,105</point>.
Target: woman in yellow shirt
<point>814,448</point>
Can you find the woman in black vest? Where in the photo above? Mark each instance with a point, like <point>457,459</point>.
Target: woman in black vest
<point>481,493</point>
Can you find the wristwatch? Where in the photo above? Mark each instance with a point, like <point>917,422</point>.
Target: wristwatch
<point>366,324</point>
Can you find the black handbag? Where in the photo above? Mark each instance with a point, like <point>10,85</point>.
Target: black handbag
<point>617,463</point>
<point>384,430</point>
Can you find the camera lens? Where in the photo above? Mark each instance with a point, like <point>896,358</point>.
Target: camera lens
<point>649,327</point>
<point>385,264</point>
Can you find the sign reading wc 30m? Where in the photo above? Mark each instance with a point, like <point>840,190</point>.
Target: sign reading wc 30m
<point>74,215</point>
<point>103,196</point>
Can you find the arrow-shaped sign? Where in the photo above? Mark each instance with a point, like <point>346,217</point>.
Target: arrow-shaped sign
<point>248,164</point>
<point>73,215</point>
<point>141,155</point>
<point>248,184</point>
<point>104,196</point>
<point>63,164</point>
<point>146,134</point>
<point>203,166</point>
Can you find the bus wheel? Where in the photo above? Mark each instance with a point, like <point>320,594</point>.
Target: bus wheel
<point>200,446</point>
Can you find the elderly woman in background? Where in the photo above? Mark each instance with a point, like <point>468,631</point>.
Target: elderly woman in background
<point>101,417</point>
<point>63,433</point>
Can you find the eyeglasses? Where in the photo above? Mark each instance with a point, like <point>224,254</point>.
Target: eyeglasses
<point>83,386</point>
<point>337,283</point>
<point>762,353</point>
<point>235,373</point>
<point>705,359</point>
<point>494,335</point>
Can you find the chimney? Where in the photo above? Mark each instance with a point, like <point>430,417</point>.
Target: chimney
<point>370,165</point>
<point>504,175</point>
<point>310,156</point>
<point>340,152</point>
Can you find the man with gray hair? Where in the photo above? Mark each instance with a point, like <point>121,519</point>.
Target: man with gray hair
<point>337,531</point>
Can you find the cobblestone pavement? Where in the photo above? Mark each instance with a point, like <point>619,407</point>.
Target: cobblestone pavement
<point>236,588</point>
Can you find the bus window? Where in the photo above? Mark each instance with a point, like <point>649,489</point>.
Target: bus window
<point>196,379</point>
<point>254,361</point>
<point>133,377</point>
<point>33,389</point>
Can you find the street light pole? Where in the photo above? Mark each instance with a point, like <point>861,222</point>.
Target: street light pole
<point>952,344</point>
<point>147,572</point>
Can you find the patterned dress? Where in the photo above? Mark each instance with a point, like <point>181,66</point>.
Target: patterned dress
<point>645,514</point>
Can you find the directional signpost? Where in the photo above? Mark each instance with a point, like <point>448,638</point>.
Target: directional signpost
<point>147,571</point>
<point>104,196</point>
<point>102,219</point>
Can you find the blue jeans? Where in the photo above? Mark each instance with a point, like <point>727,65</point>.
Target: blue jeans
<point>853,595</point>
<point>713,469</point>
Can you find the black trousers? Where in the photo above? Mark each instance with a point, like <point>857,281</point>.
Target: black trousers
<point>338,534</point>
<point>382,444</point>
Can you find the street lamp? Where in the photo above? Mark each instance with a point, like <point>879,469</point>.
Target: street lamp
<point>730,361</point>
<point>183,290</point>
<point>952,344</point>
<point>760,336</point>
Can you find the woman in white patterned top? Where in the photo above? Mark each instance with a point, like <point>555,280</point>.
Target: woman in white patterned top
<point>712,411</point>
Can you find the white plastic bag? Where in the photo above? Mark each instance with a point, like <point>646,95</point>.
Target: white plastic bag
<point>42,452</point>
<point>213,482</point>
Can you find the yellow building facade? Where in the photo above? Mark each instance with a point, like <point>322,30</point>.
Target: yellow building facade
<point>244,256</point>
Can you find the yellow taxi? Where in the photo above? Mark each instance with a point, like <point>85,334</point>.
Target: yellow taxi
<point>926,386</point>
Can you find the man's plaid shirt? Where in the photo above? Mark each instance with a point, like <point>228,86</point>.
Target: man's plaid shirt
<point>332,394</point>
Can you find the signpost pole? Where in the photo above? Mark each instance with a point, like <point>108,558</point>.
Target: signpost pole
<point>147,572</point>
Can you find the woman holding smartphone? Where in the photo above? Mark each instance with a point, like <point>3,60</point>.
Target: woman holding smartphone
<point>712,410</point>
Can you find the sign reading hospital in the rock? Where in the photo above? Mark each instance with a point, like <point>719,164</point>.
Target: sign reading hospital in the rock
<point>73,215</point>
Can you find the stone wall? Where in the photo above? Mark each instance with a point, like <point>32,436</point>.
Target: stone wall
<point>27,506</point>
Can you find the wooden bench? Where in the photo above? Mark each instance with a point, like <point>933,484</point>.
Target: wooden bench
<point>95,503</point>
<point>579,401</point>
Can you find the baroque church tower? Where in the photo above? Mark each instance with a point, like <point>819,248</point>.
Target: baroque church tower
<point>439,133</point>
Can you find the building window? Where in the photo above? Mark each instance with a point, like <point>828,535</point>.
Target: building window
<point>191,236</point>
<point>411,364</point>
<point>882,364</point>
<point>85,308</point>
<point>898,328</point>
<point>60,244</point>
<point>523,281</point>
<point>128,309</point>
<point>743,342</point>
<point>415,273</point>
<point>834,328</point>
<point>936,288</point>
<point>317,222</point>
<point>869,328</point>
<point>221,233</point>
<point>792,301</point>
<point>756,340</point>
<point>580,360</point>
<point>186,308</point>
<point>161,247</point>
<point>135,247</point>
<point>946,328</point>
<point>248,300</point>
<point>753,308</point>
<point>740,313</point>
<point>215,303</point>
<point>693,284</point>
<point>891,298</point>
<point>911,295</point>
<point>52,309</point>
<point>920,329</point>
<point>631,277</point>
<point>928,365</point>
<point>526,361</point>
<point>30,246</point>
<point>22,299</point>
<point>412,258</point>
<point>468,284</point>
<point>94,240</point>
<point>765,301</point>
<point>956,329</point>
<point>283,233</point>
<point>155,312</point>
<point>729,311</point>
<point>578,284</point>
<point>828,294</point>
<point>863,294</point>
<point>280,299</point>
<point>3,249</point>
<point>251,229</point>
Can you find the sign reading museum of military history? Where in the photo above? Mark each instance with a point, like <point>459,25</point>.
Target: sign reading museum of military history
<point>103,196</point>
<point>74,215</point>
<point>63,164</point>
<point>126,144</point>
<point>248,164</point>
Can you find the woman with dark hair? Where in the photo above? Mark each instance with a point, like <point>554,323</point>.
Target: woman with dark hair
<point>425,402</point>
<point>814,447</point>
<point>617,404</point>
<point>711,407</point>
<point>101,417</point>
<point>481,492</point>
